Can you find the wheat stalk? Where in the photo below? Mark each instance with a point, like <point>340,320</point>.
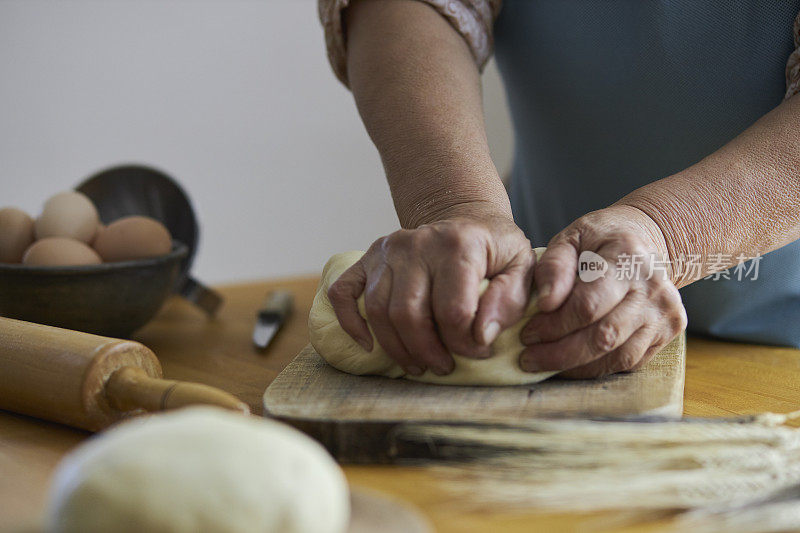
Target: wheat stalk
<point>731,472</point>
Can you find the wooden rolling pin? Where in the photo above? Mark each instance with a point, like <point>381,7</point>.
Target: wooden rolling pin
<point>88,381</point>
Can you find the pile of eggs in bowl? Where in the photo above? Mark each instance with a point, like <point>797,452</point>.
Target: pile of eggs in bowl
<point>68,232</point>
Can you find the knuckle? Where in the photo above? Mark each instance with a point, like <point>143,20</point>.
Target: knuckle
<point>660,340</point>
<point>418,242</point>
<point>636,247</point>
<point>631,245</point>
<point>661,299</point>
<point>626,241</point>
<point>521,242</point>
<point>640,300</point>
<point>586,309</point>
<point>402,314</point>
<point>337,292</point>
<point>659,337</point>
<point>570,236</point>
<point>426,326</point>
<point>669,298</point>
<point>677,321</point>
<point>675,296</point>
<point>548,264</point>
<point>682,321</point>
<point>455,314</point>
<point>375,308</point>
<point>453,237</point>
<point>605,337</point>
<point>378,245</point>
<point>397,242</point>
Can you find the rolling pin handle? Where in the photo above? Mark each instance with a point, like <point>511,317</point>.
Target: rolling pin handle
<point>130,388</point>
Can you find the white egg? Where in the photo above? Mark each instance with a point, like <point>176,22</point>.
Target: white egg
<point>68,214</point>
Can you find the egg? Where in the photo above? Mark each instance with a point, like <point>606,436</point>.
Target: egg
<point>60,251</point>
<point>16,234</point>
<point>68,214</point>
<point>134,237</point>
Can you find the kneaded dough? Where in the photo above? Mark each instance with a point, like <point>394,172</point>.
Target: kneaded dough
<point>342,352</point>
<point>199,469</point>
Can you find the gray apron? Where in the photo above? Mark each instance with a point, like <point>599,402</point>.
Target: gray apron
<point>607,96</point>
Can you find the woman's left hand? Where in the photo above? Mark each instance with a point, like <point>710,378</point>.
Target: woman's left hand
<point>615,323</point>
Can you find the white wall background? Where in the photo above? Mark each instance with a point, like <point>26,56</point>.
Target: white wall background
<point>235,99</point>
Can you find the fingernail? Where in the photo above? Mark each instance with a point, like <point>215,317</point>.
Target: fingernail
<point>490,332</point>
<point>485,354</point>
<point>529,364</point>
<point>367,345</point>
<point>445,366</point>
<point>414,370</point>
<point>440,371</point>
<point>528,334</point>
<point>530,338</point>
<point>544,291</point>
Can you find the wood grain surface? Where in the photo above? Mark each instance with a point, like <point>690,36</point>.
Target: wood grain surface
<point>722,379</point>
<point>354,416</point>
<point>88,381</point>
<point>308,388</point>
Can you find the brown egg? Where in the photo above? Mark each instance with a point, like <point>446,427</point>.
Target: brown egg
<point>68,214</point>
<point>16,234</point>
<point>60,251</point>
<point>134,237</point>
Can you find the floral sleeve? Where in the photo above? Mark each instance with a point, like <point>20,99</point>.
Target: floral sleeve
<point>793,64</point>
<point>473,19</point>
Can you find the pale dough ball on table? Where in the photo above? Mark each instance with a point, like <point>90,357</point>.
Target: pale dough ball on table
<point>342,352</point>
<point>199,469</point>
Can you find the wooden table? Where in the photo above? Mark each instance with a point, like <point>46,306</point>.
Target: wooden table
<point>721,379</point>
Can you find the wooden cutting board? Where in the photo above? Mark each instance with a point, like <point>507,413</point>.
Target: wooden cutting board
<point>353,416</point>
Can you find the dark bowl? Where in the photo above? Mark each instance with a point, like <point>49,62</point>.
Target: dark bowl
<point>112,299</point>
<point>127,190</point>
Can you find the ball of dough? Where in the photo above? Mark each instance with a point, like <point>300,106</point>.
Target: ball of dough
<point>342,352</point>
<point>68,214</point>
<point>199,469</point>
<point>16,234</point>
<point>60,251</point>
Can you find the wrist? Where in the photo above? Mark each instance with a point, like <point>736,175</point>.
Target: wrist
<point>434,190</point>
<point>476,210</point>
<point>648,228</point>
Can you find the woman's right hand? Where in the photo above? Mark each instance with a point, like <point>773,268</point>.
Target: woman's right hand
<point>421,289</point>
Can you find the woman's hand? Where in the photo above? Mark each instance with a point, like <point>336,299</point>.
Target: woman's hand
<point>421,289</point>
<point>616,322</point>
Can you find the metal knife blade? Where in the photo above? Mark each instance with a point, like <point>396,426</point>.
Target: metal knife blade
<point>271,317</point>
<point>263,332</point>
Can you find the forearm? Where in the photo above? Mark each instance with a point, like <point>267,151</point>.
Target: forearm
<point>742,200</point>
<point>418,91</point>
